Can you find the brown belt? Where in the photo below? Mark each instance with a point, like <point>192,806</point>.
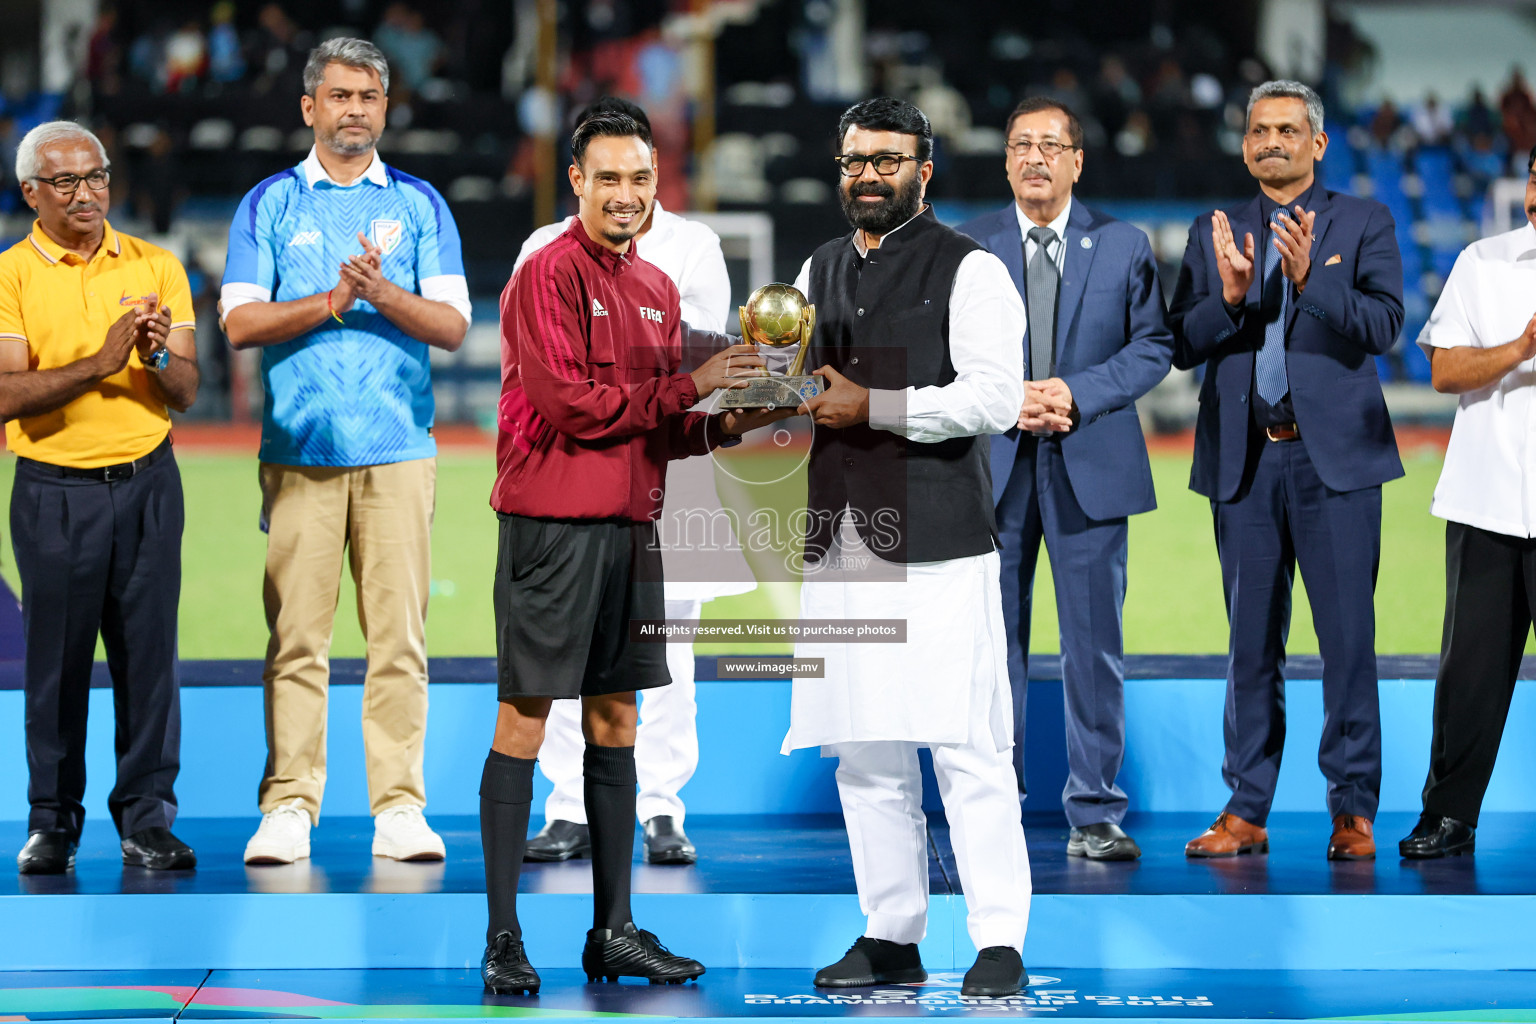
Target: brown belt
<point>1283,432</point>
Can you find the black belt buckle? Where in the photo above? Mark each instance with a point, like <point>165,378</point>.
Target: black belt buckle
<point>121,471</point>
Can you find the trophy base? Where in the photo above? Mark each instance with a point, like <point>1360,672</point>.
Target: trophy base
<point>775,392</point>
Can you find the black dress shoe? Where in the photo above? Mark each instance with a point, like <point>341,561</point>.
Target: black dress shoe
<point>156,849</point>
<point>47,853</point>
<point>874,962</point>
<point>1102,841</point>
<point>1438,837</point>
<point>998,971</point>
<point>505,967</point>
<point>559,840</point>
<point>665,843</point>
<point>633,952</point>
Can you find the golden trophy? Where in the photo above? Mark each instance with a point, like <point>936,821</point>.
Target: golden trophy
<point>777,315</point>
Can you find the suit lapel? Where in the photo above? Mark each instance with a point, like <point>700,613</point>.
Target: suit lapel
<point>1082,246</point>
<point>1008,244</point>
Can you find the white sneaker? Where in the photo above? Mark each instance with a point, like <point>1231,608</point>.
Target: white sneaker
<point>401,832</point>
<point>283,836</point>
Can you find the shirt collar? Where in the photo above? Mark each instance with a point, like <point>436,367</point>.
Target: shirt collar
<point>53,252</point>
<point>661,225</point>
<point>1059,225</point>
<point>315,173</point>
<point>1267,206</point>
<point>858,235</point>
<point>1525,243</point>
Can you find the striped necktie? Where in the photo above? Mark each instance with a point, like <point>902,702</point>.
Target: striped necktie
<point>1269,376</point>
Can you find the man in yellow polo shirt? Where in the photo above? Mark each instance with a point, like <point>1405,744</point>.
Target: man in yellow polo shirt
<point>96,341</point>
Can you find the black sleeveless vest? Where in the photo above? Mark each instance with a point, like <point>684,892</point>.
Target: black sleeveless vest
<point>882,321</point>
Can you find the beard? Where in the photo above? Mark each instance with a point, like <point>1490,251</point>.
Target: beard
<point>620,235</point>
<point>339,143</point>
<point>897,206</point>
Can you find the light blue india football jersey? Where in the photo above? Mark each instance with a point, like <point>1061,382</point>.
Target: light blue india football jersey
<point>357,393</point>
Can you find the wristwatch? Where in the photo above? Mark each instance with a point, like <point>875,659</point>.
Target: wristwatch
<point>726,440</point>
<point>156,362</point>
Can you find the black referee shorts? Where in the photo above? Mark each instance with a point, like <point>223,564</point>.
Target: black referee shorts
<point>565,593</point>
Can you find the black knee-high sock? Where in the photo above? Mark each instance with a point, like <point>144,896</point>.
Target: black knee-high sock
<point>609,790</point>
<point>506,793</point>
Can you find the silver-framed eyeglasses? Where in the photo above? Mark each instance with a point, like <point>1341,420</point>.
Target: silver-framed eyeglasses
<point>885,164</point>
<point>69,184</point>
<point>1050,149</point>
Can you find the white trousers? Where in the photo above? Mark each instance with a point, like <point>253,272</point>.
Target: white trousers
<point>881,788</point>
<point>666,744</point>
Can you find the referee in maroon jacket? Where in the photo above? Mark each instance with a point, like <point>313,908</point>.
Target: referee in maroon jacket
<point>592,407</point>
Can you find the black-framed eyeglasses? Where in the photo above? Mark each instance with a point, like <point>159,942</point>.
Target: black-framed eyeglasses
<point>886,164</point>
<point>1050,149</point>
<point>69,184</point>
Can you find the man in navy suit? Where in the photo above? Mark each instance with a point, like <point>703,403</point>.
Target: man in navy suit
<point>1075,468</point>
<point>1292,446</point>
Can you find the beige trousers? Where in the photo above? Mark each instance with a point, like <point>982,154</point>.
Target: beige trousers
<point>380,516</point>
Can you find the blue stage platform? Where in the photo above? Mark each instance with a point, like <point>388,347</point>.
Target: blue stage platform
<point>1287,936</point>
<point>778,893</point>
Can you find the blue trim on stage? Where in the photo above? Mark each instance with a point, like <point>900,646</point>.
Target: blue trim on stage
<point>1042,667</point>
<point>359,930</point>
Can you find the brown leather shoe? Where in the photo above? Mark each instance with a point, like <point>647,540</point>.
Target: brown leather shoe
<point>1228,837</point>
<point>1352,839</point>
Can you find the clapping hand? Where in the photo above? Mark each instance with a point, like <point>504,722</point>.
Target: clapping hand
<point>362,276</point>
<point>1233,264</point>
<point>1293,237</point>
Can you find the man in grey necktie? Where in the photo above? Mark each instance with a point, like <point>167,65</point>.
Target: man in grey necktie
<point>1041,294</point>
<point>1076,470</point>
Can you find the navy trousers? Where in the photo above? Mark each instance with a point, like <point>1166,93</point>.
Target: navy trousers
<point>1284,515</point>
<point>1088,566</point>
<point>100,558</point>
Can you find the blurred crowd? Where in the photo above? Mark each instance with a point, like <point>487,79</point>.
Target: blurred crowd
<point>1490,137</point>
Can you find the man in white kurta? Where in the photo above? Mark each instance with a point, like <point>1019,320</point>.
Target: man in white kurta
<point>946,686</point>
<point>666,743</point>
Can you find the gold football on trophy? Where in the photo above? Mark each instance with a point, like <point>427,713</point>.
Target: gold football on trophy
<point>774,315</point>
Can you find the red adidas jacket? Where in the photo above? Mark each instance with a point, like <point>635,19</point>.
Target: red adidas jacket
<point>592,404</point>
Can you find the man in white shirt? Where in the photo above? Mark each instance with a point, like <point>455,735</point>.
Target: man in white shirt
<point>666,744</point>
<point>1481,343</point>
<point>919,334</point>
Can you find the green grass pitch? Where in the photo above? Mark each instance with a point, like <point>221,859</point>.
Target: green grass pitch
<point>1173,607</point>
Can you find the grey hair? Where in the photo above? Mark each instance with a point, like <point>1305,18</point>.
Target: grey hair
<point>1285,88</point>
<point>354,53</point>
<point>29,159</point>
